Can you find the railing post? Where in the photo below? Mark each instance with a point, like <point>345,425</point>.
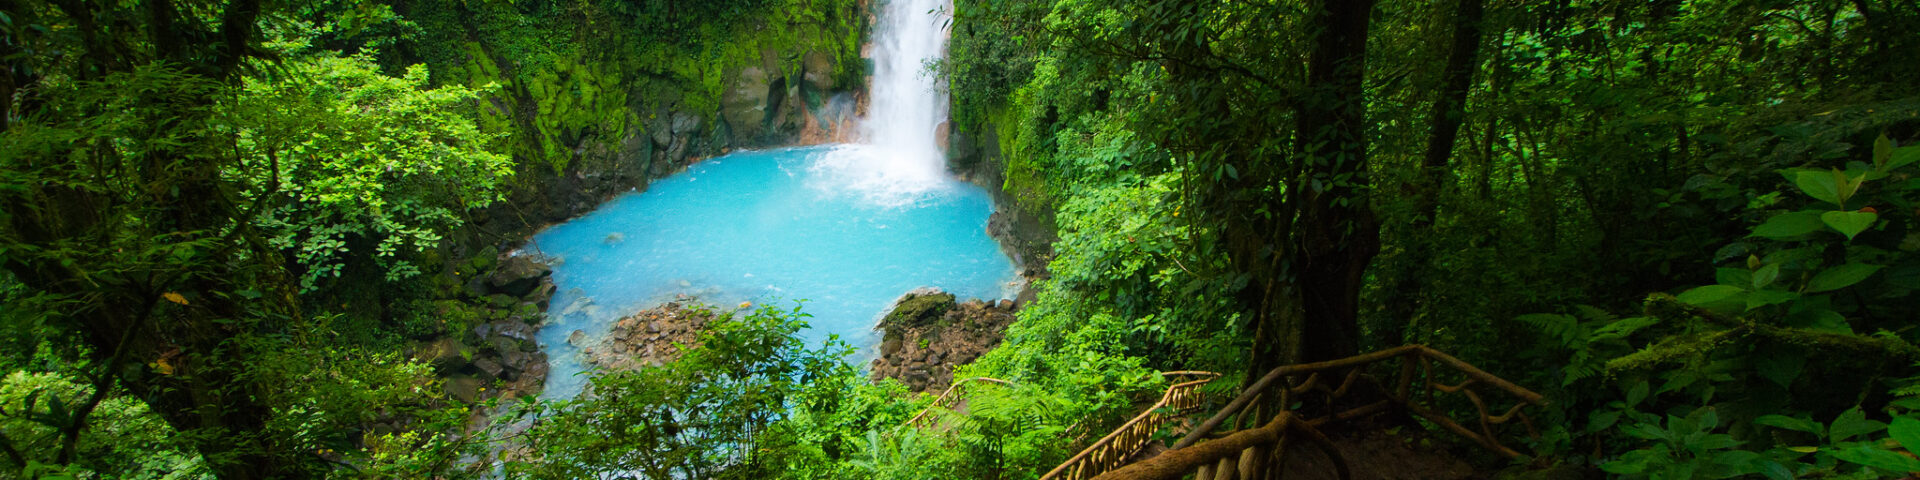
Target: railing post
<point>1225,469</point>
<point>1251,461</point>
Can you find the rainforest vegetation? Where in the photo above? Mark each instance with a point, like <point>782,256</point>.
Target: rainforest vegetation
<point>227,227</point>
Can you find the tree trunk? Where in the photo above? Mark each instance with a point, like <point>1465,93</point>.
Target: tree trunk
<point>1336,235</point>
<point>1449,111</point>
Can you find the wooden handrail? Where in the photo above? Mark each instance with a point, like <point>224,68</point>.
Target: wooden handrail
<point>1247,453</point>
<point>1248,449</point>
<point>1110,451</point>
<point>948,399</point>
<point>1407,352</point>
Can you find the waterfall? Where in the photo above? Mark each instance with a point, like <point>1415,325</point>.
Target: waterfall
<point>899,159</point>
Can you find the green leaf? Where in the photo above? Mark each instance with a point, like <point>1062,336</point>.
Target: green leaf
<point>1735,277</point>
<point>1602,420</point>
<point>1788,225</point>
<point>1637,393</point>
<point>1820,319</point>
<point>1906,430</point>
<point>1849,223</point>
<point>1791,423</point>
<point>1761,298</point>
<point>1766,275</point>
<point>1820,185</point>
<point>1775,471</point>
<point>1882,149</point>
<point>1714,296</point>
<point>1878,458</point>
<point>1902,156</point>
<point>1852,423</point>
<point>1841,277</point>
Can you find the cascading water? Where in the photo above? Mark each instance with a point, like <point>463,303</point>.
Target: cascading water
<point>907,102</point>
<point>847,228</point>
<point>899,158</point>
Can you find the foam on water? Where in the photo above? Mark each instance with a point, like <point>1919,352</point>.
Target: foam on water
<point>778,225</point>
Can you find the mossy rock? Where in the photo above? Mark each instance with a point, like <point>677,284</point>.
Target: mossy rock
<point>918,309</point>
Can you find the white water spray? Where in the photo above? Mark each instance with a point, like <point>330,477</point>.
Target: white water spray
<point>899,159</point>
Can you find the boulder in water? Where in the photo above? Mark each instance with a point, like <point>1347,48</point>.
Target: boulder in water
<point>518,276</point>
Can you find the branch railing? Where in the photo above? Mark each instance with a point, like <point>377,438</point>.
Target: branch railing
<point>949,398</point>
<point>1113,450</point>
<point>1248,453</point>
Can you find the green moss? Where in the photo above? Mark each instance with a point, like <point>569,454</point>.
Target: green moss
<point>919,310</point>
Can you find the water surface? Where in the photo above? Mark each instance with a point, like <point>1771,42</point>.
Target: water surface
<point>839,227</point>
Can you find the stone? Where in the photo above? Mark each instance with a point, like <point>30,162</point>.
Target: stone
<point>516,330</point>
<point>919,307</point>
<point>653,327</point>
<point>685,123</point>
<point>536,368</point>
<point>817,70</point>
<point>518,275</point>
<point>619,347</point>
<point>464,388</point>
<point>890,346</point>
<point>490,367</point>
<point>577,338</point>
<point>519,361</point>
<point>541,295</point>
<point>1006,304</point>
<point>445,354</point>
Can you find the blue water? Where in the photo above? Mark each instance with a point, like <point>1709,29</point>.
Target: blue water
<point>834,226</point>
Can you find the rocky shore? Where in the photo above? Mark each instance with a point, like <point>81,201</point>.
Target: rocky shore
<point>494,354</point>
<point>649,338</point>
<point>928,333</point>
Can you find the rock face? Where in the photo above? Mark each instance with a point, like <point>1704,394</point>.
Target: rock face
<point>496,355</point>
<point>927,334</point>
<point>651,337</point>
<point>1025,232</point>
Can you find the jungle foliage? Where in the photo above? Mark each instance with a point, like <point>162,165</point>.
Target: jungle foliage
<point>1690,223</point>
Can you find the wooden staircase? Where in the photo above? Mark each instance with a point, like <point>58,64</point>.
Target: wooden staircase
<point>1255,443</point>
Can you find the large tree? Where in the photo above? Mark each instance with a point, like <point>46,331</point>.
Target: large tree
<point>119,211</point>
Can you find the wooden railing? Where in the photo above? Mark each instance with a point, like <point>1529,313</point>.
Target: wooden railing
<point>949,398</point>
<point>1249,453</point>
<point>1112,451</point>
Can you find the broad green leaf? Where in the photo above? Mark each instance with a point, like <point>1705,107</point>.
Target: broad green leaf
<point>1766,275</point>
<point>1882,150</point>
<point>1761,298</point>
<point>1878,459</point>
<point>1906,430</point>
<point>1717,297</point>
<point>1820,319</point>
<point>1626,465</point>
<point>1841,277</point>
<point>1789,225</point>
<point>1602,420</point>
<point>1637,393</point>
<point>1709,294</point>
<point>1791,423</point>
<point>1735,277</point>
<point>1852,423</point>
<point>1818,184</point>
<point>1903,156</point>
<point>1849,223</point>
<point>1775,471</point>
